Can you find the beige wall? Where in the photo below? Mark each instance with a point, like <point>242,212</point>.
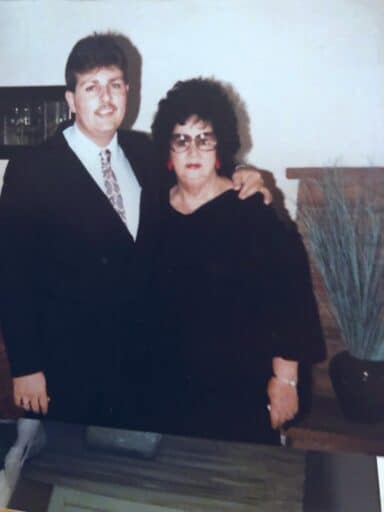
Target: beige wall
<point>311,72</point>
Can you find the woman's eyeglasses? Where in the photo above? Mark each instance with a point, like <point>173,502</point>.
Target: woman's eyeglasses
<point>205,141</point>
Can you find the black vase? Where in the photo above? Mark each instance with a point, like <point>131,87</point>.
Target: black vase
<point>359,387</point>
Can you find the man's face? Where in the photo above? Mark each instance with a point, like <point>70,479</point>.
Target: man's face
<point>99,102</point>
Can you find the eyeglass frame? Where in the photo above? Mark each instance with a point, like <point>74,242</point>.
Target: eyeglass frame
<point>197,140</point>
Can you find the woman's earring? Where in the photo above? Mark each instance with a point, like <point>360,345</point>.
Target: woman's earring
<point>217,164</point>
<point>170,165</point>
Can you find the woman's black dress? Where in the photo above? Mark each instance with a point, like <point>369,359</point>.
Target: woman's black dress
<point>233,291</point>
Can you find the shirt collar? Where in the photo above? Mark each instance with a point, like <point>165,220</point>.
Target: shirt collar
<point>85,145</point>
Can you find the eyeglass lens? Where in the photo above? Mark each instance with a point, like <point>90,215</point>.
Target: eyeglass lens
<point>204,141</point>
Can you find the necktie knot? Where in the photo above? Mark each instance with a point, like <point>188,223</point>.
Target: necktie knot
<point>105,156</point>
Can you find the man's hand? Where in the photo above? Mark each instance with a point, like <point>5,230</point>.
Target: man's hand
<point>30,392</point>
<point>283,402</point>
<point>249,181</point>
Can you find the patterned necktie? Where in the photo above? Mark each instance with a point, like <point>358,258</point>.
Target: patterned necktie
<point>111,185</point>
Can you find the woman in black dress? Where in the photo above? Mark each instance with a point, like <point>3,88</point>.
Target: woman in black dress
<point>237,306</point>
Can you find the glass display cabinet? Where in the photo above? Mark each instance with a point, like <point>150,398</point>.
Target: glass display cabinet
<point>28,115</point>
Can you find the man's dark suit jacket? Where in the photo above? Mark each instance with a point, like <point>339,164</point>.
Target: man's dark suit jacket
<point>73,282</point>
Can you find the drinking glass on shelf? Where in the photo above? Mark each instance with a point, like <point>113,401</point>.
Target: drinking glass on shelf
<point>22,124</point>
<point>28,123</point>
<point>11,120</point>
<point>56,112</point>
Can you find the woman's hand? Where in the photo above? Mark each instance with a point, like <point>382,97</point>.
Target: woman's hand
<point>30,392</point>
<point>283,401</point>
<point>248,181</point>
<point>282,391</point>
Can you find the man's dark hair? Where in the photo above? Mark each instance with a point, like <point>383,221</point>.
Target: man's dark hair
<point>94,51</point>
<point>209,102</point>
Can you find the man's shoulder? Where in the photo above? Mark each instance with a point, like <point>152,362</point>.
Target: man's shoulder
<point>51,147</point>
<point>53,143</point>
<point>138,148</point>
<point>134,140</point>
<point>33,161</point>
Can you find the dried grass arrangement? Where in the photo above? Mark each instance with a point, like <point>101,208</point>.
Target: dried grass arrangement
<point>346,240</point>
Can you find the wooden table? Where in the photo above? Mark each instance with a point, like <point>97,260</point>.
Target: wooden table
<point>186,474</point>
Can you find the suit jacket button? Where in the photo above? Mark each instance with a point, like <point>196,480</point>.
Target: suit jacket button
<point>104,260</point>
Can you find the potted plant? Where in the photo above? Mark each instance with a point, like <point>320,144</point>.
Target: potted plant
<point>345,236</point>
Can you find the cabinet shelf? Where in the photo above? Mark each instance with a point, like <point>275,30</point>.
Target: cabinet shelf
<point>28,115</point>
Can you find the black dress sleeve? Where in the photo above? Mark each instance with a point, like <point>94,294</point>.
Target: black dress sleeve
<point>19,238</point>
<point>294,324</point>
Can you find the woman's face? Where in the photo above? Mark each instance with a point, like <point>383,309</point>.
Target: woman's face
<point>192,151</point>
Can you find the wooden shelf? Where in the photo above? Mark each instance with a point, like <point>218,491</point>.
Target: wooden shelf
<point>325,428</point>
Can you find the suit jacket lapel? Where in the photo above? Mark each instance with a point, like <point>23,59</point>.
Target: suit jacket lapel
<point>132,153</point>
<point>86,198</point>
<point>137,155</point>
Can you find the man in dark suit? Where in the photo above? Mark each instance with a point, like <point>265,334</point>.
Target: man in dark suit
<point>78,223</point>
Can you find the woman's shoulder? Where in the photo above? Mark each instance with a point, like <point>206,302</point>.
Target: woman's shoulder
<point>256,209</point>
<point>267,220</point>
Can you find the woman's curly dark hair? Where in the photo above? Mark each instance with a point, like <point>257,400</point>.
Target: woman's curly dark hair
<point>208,101</point>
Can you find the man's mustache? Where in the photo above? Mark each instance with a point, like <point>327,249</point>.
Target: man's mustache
<point>107,106</point>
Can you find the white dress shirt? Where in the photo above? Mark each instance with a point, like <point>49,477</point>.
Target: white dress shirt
<point>89,154</point>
